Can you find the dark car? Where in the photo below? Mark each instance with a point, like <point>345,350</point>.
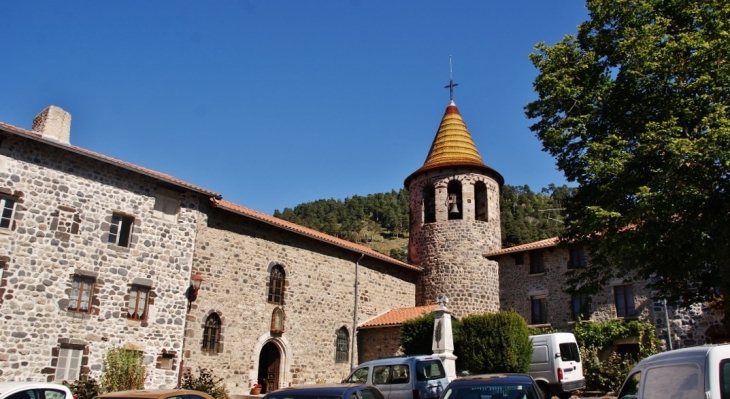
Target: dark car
<point>493,386</point>
<point>327,391</point>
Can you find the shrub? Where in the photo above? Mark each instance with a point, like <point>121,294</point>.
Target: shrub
<point>607,375</point>
<point>205,382</point>
<point>123,370</point>
<point>496,342</point>
<point>84,388</point>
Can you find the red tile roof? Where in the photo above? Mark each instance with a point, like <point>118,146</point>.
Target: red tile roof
<point>396,317</point>
<point>241,210</point>
<point>78,150</point>
<point>546,243</point>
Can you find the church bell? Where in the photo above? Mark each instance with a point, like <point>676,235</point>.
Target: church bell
<point>454,207</point>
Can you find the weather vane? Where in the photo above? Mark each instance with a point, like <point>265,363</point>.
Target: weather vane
<point>451,84</point>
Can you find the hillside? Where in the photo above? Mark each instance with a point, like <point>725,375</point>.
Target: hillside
<point>380,221</point>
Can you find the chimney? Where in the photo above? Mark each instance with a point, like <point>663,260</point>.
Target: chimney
<point>53,123</point>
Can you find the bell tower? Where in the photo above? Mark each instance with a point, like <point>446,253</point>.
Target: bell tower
<point>454,220</point>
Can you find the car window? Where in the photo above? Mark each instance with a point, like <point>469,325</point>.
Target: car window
<point>493,391</point>
<point>54,394</point>
<point>189,396</point>
<point>401,375</point>
<point>631,387</point>
<point>179,397</point>
<point>677,381</point>
<point>430,370</point>
<point>725,379</point>
<point>358,376</point>
<point>381,375</point>
<point>569,351</point>
<point>26,394</point>
<point>371,393</point>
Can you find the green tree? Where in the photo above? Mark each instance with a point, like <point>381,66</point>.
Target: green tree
<point>495,343</point>
<point>636,109</point>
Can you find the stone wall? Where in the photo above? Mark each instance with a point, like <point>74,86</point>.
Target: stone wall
<point>64,205</point>
<point>236,253</point>
<point>451,251</point>
<point>375,343</point>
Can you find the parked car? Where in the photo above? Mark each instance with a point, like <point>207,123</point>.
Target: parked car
<point>34,390</point>
<point>696,372</point>
<point>493,386</point>
<point>327,391</point>
<point>556,365</point>
<point>405,377</point>
<point>156,394</point>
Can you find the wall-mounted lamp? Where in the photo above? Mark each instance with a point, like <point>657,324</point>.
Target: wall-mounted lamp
<point>192,292</point>
<point>454,206</point>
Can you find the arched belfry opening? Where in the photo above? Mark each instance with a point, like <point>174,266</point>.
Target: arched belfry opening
<point>454,200</point>
<point>480,200</point>
<point>429,203</point>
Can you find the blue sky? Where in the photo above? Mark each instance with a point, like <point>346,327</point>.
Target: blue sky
<point>276,103</point>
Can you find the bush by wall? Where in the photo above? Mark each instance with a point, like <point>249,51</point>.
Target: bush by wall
<point>84,388</point>
<point>123,370</point>
<point>205,382</point>
<point>496,342</point>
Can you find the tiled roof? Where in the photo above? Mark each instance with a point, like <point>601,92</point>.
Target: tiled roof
<point>546,243</point>
<point>453,146</point>
<point>78,150</point>
<point>396,317</point>
<point>241,210</point>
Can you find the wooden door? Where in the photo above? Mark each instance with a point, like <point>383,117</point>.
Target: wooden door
<point>269,363</point>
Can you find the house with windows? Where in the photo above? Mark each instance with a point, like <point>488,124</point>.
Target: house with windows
<point>533,283</point>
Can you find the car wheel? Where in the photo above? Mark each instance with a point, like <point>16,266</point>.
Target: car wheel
<point>565,395</point>
<point>545,391</point>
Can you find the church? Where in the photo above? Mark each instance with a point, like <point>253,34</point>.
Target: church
<point>98,253</point>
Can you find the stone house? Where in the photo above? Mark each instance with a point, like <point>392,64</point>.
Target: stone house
<point>532,282</point>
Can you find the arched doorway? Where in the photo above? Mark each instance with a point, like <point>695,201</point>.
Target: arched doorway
<point>269,364</point>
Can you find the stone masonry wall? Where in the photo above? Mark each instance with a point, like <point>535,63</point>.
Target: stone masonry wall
<point>690,326</point>
<point>451,251</point>
<point>376,343</point>
<point>236,254</point>
<point>64,205</point>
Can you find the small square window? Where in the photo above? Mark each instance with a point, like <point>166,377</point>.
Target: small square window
<point>519,258</point>
<point>577,258</point>
<point>537,264</point>
<point>120,230</point>
<point>539,310</point>
<point>137,304</point>
<point>81,295</point>
<point>68,367</point>
<point>580,304</point>
<point>8,212</point>
<point>167,204</point>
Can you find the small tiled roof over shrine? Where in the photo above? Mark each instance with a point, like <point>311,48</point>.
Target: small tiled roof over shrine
<point>396,317</point>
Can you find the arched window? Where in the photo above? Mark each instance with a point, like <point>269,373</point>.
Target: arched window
<point>480,198</point>
<point>212,334</point>
<point>455,208</point>
<point>343,342</point>
<point>429,204</point>
<point>277,321</point>
<point>276,285</point>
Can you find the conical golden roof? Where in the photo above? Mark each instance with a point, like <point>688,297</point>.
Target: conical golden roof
<point>453,145</point>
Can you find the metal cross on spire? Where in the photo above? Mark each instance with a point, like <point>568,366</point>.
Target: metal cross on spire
<point>451,84</point>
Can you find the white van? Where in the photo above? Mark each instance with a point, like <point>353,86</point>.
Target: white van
<point>412,377</point>
<point>697,372</point>
<point>556,365</point>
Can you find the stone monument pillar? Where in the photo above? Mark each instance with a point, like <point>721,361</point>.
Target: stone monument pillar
<point>443,338</point>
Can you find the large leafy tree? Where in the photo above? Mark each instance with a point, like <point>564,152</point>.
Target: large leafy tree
<point>636,109</point>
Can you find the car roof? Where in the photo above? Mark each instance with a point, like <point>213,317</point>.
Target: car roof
<point>696,354</point>
<point>152,393</point>
<point>480,379</point>
<point>398,359</point>
<point>13,385</point>
<point>320,389</point>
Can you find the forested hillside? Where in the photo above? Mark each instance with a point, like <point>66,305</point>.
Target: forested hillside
<point>380,220</point>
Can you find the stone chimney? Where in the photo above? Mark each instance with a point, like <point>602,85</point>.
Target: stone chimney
<point>53,123</point>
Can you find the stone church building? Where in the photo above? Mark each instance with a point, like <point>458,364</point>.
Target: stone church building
<point>97,253</point>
